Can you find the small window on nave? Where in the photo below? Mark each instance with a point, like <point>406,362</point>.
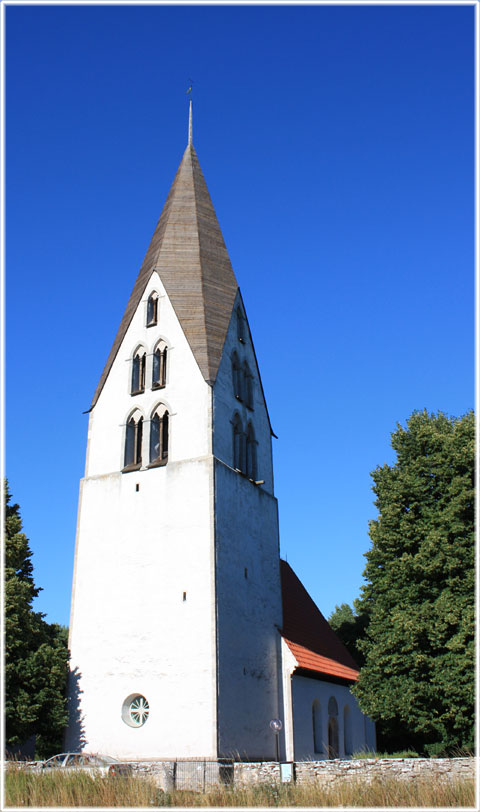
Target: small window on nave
<point>133,442</point>
<point>159,368</point>
<point>152,309</point>
<point>317,726</point>
<point>138,371</point>
<point>159,428</point>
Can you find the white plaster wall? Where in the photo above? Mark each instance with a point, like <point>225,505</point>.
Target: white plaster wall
<point>225,405</point>
<point>304,692</point>
<point>131,630</point>
<point>137,552</point>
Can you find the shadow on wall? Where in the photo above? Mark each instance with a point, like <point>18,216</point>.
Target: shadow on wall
<point>23,752</point>
<point>74,737</point>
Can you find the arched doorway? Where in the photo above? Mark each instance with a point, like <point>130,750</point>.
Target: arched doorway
<point>317,727</point>
<point>333,751</point>
<point>347,731</point>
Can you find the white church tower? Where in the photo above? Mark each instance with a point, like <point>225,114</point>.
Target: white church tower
<point>176,605</point>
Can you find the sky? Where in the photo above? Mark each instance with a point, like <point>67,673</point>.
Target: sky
<point>337,143</point>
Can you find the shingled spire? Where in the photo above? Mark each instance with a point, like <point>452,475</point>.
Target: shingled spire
<point>188,252</point>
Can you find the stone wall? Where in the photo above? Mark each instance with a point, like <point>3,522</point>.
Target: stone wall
<point>365,769</point>
<point>203,775</point>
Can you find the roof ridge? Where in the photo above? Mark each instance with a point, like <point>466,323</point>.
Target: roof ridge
<point>193,155</point>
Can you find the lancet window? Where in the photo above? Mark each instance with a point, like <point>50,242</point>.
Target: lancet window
<point>237,377</point>
<point>133,441</point>
<point>159,367</point>
<point>152,309</point>
<point>159,436</point>
<point>251,461</point>
<point>138,371</point>
<point>247,385</point>
<point>238,444</point>
<point>240,325</point>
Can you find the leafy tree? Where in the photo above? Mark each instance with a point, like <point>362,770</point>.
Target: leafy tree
<point>349,624</point>
<point>418,676</point>
<point>36,652</point>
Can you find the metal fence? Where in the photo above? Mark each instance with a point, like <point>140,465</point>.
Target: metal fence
<point>199,776</point>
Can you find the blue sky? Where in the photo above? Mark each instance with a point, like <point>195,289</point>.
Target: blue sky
<point>337,144</point>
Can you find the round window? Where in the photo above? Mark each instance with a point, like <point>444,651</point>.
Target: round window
<point>135,710</point>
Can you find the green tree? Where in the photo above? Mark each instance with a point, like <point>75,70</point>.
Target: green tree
<point>349,624</point>
<point>418,676</point>
<point>36,653</point>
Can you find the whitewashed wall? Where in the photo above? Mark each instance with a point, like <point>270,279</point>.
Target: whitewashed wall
<point>304,692</point>
<point>137,552</point>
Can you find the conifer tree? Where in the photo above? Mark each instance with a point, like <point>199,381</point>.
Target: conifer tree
<point>36,652</point>
<point>418,676</point>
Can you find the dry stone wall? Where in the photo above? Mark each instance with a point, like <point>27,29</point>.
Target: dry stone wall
<point>443,769</point>
<point>203,775</point>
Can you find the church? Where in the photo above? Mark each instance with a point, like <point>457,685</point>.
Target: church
<point>188,634</point>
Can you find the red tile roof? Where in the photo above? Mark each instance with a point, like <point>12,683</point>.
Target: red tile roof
<point>312,642</point>
<point>315,662</point>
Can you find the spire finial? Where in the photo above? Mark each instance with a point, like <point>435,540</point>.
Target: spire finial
<point>190,116</point>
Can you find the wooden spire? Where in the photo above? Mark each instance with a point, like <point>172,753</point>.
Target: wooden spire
<point>188,252</point>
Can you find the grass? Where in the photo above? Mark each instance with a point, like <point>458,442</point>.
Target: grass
<point>24,788</point>
<point>398,754</point>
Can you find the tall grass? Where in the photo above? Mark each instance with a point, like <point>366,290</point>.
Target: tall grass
<point>56,790</point>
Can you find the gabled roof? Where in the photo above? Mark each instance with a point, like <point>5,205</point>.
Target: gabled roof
<point>312,642</point>
<point>188,251</point>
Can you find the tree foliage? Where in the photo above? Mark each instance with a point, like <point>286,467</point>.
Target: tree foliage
<point>418,676</point>
<point>349,625</point>
<point>36,652</point>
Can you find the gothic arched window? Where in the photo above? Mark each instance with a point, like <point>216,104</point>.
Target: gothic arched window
<point>152,309</point>
<point>247,385</point>
<point>317,727</point>
<point>138,371</point>
<point>237,377</point>
<point>251,453</point>
<point>159,436</point>
<point>238,444</point>
<point>240,326</point>
<point>159,369</point>
<point>133,442</point>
